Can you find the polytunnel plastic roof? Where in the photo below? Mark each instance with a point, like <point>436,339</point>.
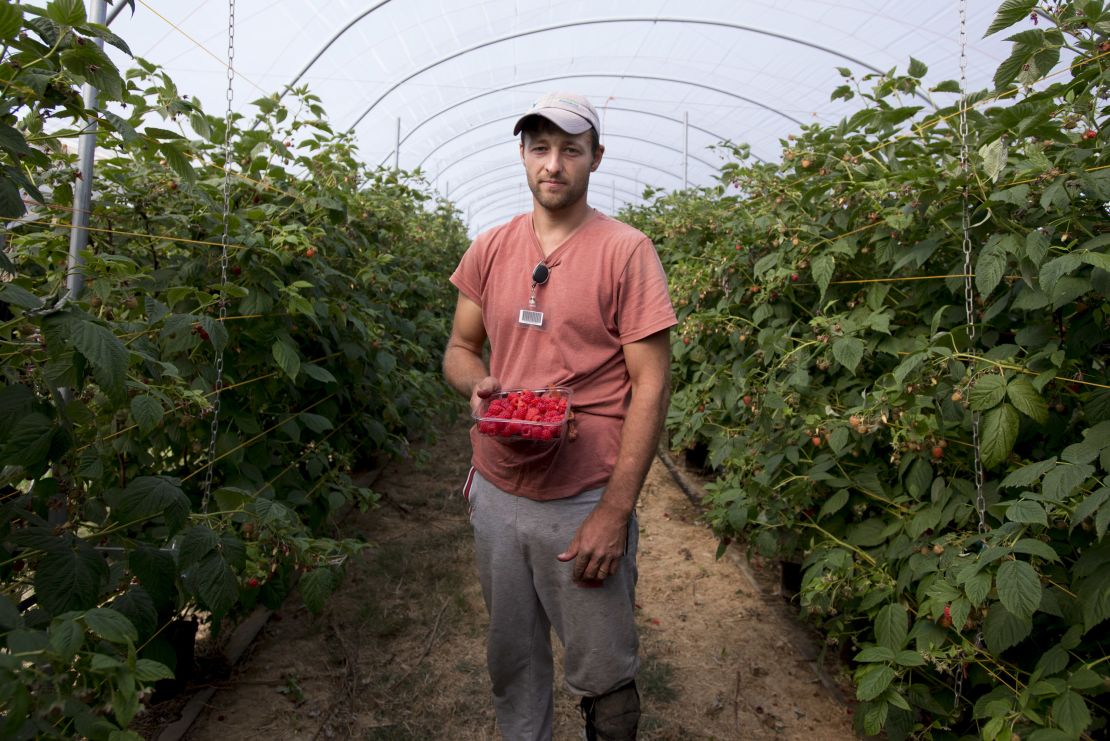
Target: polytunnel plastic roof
<point>456,74</point>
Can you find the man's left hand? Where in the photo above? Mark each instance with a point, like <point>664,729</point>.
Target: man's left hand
<point>598,546</point>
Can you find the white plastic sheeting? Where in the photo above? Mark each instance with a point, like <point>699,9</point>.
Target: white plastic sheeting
<point>456,73</point>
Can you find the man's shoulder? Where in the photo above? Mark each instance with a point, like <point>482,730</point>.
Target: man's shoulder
<point>620,234</point>
<point>503,231</point>
<point>617,229</point>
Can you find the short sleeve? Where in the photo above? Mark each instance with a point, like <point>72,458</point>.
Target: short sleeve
<point>468,275</point>
<point>644,304</point>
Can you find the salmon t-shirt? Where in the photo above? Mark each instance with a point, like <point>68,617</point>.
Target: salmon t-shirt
<point>605,288</point>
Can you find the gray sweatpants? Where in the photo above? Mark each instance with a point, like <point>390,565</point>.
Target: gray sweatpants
<point>528,591</point>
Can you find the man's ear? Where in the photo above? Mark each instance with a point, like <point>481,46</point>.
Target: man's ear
<point>522,149</point>
<point>597,157</point>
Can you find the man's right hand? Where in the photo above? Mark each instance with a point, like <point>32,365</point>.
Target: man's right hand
<point>484,389</point>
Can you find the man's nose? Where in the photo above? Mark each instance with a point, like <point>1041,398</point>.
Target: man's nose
<point>554,162</point>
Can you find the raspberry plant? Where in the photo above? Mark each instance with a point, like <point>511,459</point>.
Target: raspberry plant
<point>337,315</point>
<point>824,363</point>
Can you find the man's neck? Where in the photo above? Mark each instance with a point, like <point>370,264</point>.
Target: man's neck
<point>553,227</point>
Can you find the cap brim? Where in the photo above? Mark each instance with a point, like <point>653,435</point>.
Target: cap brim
<point>569,122</point>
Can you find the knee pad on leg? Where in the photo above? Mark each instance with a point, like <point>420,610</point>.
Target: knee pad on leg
<point>613,716</point>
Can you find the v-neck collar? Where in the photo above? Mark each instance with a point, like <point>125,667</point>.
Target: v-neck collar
<point>555,255</point>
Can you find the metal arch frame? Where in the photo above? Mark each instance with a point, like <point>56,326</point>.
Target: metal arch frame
<point>625,19</point>
<point>607,134</point>
<point>477,188</point>
<point>508,212</point>
<point>611,157</point>
<point>596,189</point>
<point>536,81</point>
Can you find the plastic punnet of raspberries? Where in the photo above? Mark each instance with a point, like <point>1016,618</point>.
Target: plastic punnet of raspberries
<point>525,415</point>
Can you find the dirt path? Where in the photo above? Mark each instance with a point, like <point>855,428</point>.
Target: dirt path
<point>399,652</point>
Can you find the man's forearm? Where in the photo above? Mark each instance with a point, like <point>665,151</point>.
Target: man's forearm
<point>639,439</point>
<point>463,369</point>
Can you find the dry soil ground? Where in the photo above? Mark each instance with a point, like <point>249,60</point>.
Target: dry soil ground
<point>399,651</point>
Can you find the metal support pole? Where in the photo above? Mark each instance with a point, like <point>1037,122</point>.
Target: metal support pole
<point>613,199</point>
<point>397,149</point>
<point>685,150</point>
<point>86,154</point>
<point>116,11</point>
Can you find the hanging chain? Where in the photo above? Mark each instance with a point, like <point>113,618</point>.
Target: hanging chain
<point>969,286</point>
<point>217,386</point>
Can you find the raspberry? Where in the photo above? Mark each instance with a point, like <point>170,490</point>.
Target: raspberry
<point>527,415</point>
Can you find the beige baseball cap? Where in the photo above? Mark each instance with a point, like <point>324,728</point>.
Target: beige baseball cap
<point>569,111</point>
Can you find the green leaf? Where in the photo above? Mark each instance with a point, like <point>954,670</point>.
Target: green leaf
<point>11,201</point>
<point>1053,270</point>
<point>10,618</point>
<point>989,269</point>
<point>315,422</point>
<point>947,86</point>
<point>217,332</point>
<point>11,21</point>
<point>1088,506</point>
<point>178,161</point>
<point>121,126</point>
<point>110,625</point>
<point>10,293</point>
<point>105,352</point>
<point>873,681</point>
<point>823,268</point>
<point>101,32</point>
<point>147,670</point>
<point>11,138</point>
<point>1003,630</point>
<point>157,572</point>
<point>147,497</point>
<point>196,543</point>
<point>987,392</point>
<point>1028,475</point>
<point>917,68</point>
<point>1065,478</point>
<point>1026,399</point>
<point>999,432</point>
<point>1009,13</point>
<point>90,63</point>
<point>994,155</point>
<point>287,358</point>
<point>892,626</point>
<point>318,373</point>
<point>978,588</point>
<point>214,583</point>
<point>833,503</point>
<point>1035,547</point>
<point>1026,511</point>
<point>909,658</point>
<point>70,578</point>
<point>871,654</point>
<point>316,586</point>
<point>1070,713</point>
<point>848,351</point>
<point>66,637</point>
<point>147,411</point>
<point>28,443</point>
<point>66,12</point>
<point>1019,588</point>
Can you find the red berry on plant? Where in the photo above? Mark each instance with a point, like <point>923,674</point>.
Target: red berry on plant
<point>946,618</point>
<point>310,252</point>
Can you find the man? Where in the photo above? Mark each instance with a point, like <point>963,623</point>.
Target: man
<point>566,296</point>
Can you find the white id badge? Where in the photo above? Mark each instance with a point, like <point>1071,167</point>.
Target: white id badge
<point>531,318</point>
